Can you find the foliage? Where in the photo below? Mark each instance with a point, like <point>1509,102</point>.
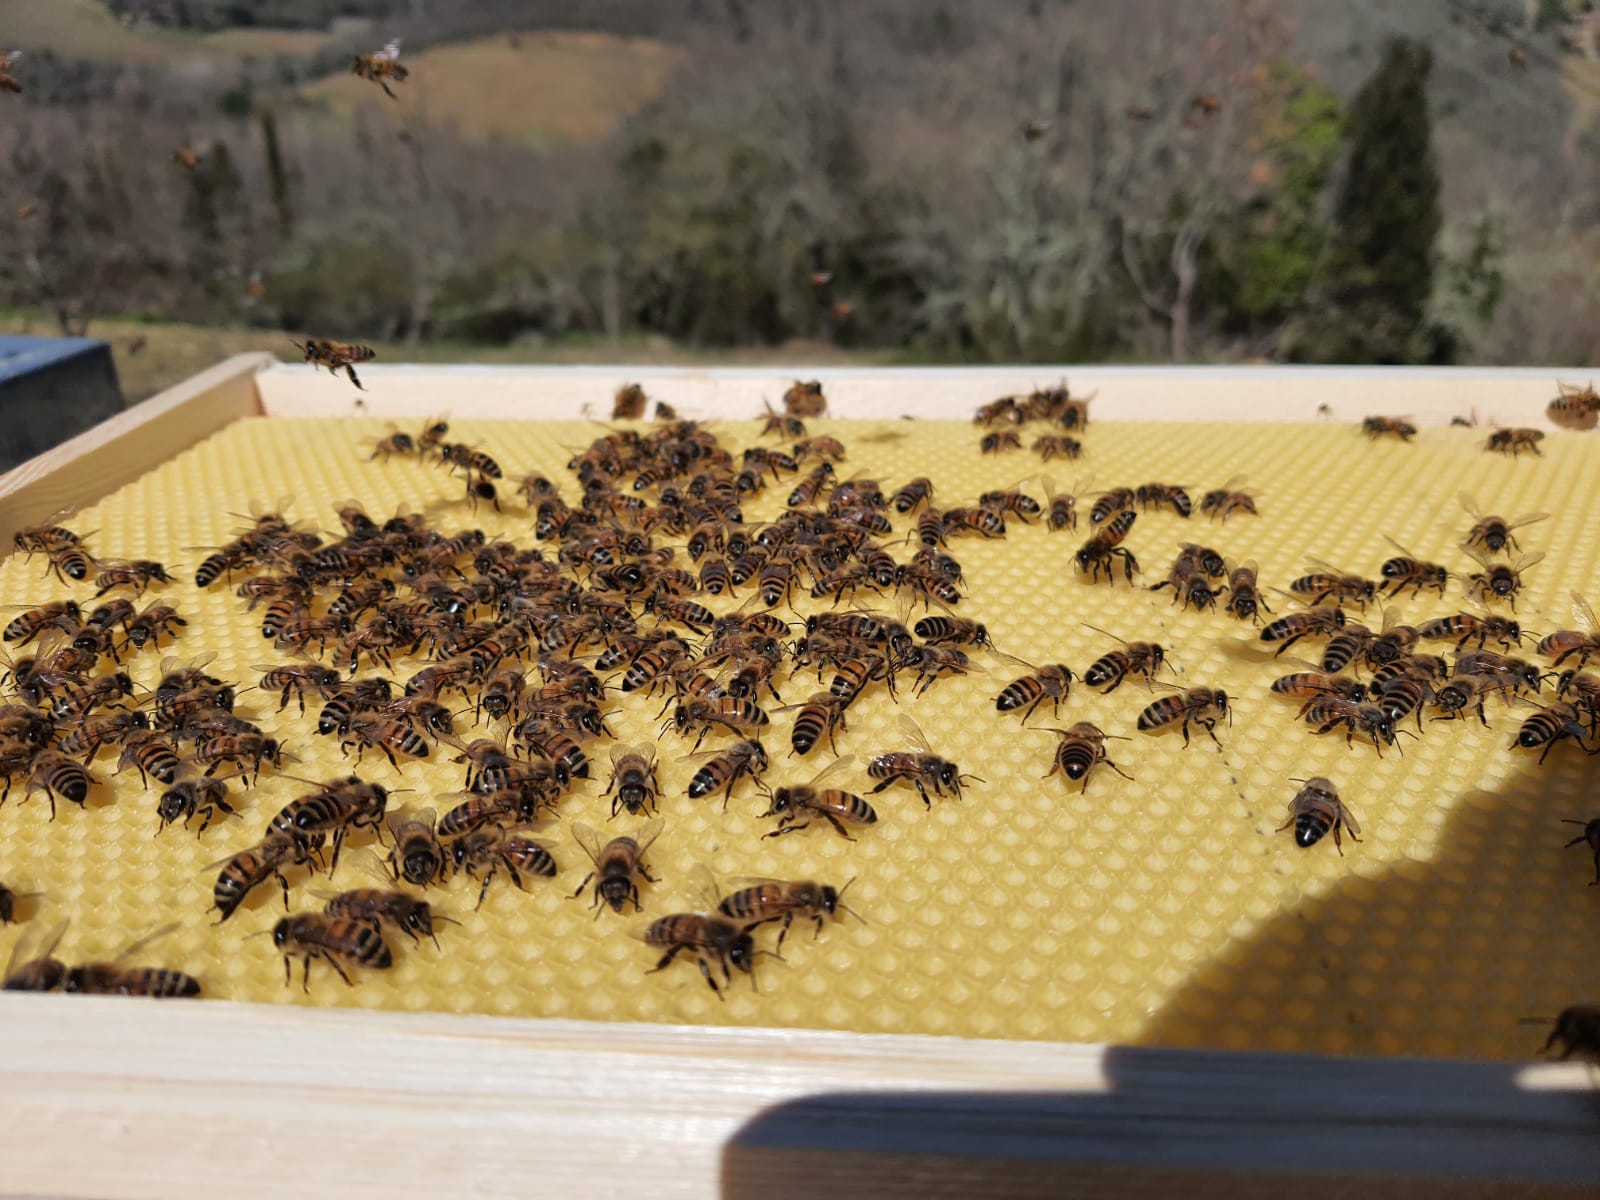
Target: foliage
<point>1381,257</point>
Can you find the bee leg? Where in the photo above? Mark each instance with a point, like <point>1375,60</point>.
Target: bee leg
<point>1211,728</point>
<point>334,963</point>
<point>838,828</point>
<point>666,960</point>
<point>288,971</point>
<point>483,891</point>
<point>581,886</point>
<point>710,980</point>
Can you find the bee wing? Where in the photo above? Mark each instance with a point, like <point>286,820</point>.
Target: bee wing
<point>375,869</point>
<point>706,889</point>
<point>1583,615</point>
<point>1107,633</point>
<point>1049,486</point>
<point>36,941</point>
<point>1234,484</point>
<point>1301,664</point>
<point>591,839</point>
<point>1480,556</point>
<point>1527,560</point>
<point>1327,567</point>
<point>140,942</point>
<point>646,834</point>
<point>1470,503</point>
<point>1391,618</point>
<point>1527,519</point>
<point>390,51</point>
<point>1020,663</point>
<point>1350,819</point>
<point>833,768</point>
<point>1399,547</point>
<point>914,732</point>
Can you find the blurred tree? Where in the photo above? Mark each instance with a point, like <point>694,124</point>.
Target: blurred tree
<point>1378,273</point>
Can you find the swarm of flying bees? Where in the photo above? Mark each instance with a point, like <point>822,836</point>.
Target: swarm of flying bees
<point>396,640</point>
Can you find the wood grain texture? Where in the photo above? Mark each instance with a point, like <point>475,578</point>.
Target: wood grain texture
<point>1427,395</point>
<point>102,459</point>
<point>113,1098</point>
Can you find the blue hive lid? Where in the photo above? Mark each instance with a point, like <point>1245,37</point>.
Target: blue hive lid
<point>23,355</point>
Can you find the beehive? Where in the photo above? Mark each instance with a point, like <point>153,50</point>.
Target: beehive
<point>1164,909</point>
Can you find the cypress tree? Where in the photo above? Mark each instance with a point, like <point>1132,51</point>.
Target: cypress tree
<point>1378,275</point>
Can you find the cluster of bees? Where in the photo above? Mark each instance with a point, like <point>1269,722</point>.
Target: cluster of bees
<point>534,645</point>
<point>1051,406</point>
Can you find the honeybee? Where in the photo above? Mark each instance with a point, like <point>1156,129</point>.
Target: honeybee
<point>1110,504</point>
<point>1463,627</point>
<point>781,424</point>
<point>618,864</point>
<point>1408,571</point>
<point>1054,445</point>
<point>88,737</point>
<point>1395,427</point>
<point>1202,706</point>
<point>914,494</point>
<point>1330,583</point>
<point>517,805</point>
<point>151,754</point>
<point>1500,581</point>
<point>1189,584</point>
<point>47,535</point>
<point>8,903</point>
<point>416,856</point>
<point>1590,837</point>
<point>1062,508</point>
<point>394,443</point>
<point>706,937</point>
<point>490,851</point>
<point>1494,533</point>
<point>337,808</point>
<point>1583,641</point>
<point>57,614</point>
<point>1052,682</point>
<point>1245,601</point>
<point>188,798</point>
<point>1315,811</point>
<point>1515,441</point>
<point>765,900</point>
<point>1550,724</point>
<point>1577,1029</point>
<point>337,941</point>
<point>1311,682</point>
<point>1134,658</point>
<point>55,774</point>
<point>71,562</point>
<point>1394,640</point>
<point>1367,719</point>
<point>247,750</point>
<point>1512,674</point>
<point>137,574</point>
<point>1317,622</point>
<point>821,714</point>
<point>629,403</point>
<point>952,631</point>
<point>381,66</point>
<point>805,399</point>
<point>382,906</point>
<point>1464,691</point>
<point>1160,496</point>
<point>115,979</point>
<point>1227,500</point>
<point>297,680</point>
<point>1574,407</point>
<point>633,782</point>
<point>149,626</point>
<point>794,806</point>
<point>1079,750</point>
<point>32,966</point>
<point>731,713</point>
<point>1098,553</point>
<point>336,356</point>
<point>242,872</point>
<point>920,767</point>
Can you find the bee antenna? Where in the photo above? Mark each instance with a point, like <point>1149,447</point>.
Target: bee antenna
<point>257,933</point>
<point>1564,821</point>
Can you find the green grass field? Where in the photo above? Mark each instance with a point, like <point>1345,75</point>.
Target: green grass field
<point>153,356</point>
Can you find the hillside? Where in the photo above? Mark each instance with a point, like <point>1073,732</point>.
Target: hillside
<point>529,87</point>
<point>84,29</point>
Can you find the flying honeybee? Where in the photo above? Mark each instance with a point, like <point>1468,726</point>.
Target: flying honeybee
<point>618,864</point>
<point>336,356</point>
<point>629,403</point>
<point>381,66</point>
<point>1315,811</point>
<point>1079,750</point>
